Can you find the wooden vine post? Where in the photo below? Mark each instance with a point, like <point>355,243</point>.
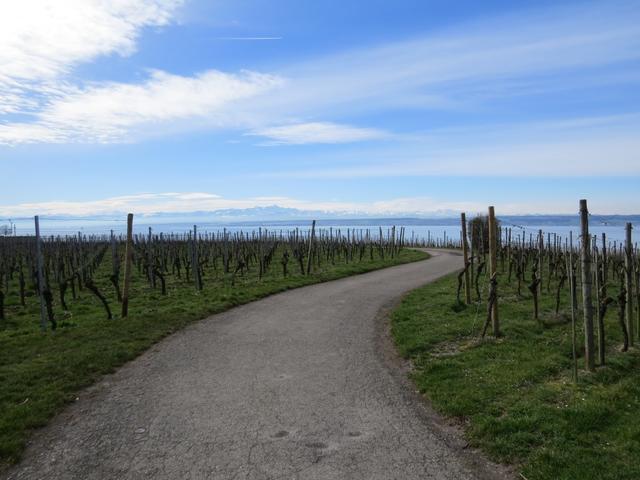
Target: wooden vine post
<point>604,301</point>
<point>573,292</point>
<point>587,304</point>
<point>128,260</point>
<point>600,289</point>
<point>540,261</point>
<point>80,261</point>
<point>311,237</point>
<point>195,260</point>
<point>150,275</point>
<point>628,269</point>
<point>465,254</point>
<point>493,270</point>
<point>43,311</point>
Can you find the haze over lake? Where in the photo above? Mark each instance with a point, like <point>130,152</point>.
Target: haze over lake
<point>417,228</point>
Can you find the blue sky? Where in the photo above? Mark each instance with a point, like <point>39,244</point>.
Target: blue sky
<point>347,106</point>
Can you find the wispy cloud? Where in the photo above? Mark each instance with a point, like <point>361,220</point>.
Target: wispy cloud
<point>174,202</point>
<point>41,39</point>
<point>527,53</point>
<point>249,39</point>
<point>114,111</point>
<point>169,202</point>
<point>318,132</point>
<point>571,147</point>
<point>185,202</point>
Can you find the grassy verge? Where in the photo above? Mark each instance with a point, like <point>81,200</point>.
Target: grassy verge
<point>39,373</point>
<point>515,395</point>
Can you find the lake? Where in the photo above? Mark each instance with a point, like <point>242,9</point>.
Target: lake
<point>422,232</point>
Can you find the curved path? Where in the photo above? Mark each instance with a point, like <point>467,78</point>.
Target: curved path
<point>293,386</point>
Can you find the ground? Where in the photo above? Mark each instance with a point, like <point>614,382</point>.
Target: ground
<point>515,396</point>
<point>291,386</point>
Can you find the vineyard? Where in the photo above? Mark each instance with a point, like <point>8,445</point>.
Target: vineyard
<point>58,269</point>
<point>76,307</point>
<point>533,347</point>
<point>588,279</point>
<point>534,338</point>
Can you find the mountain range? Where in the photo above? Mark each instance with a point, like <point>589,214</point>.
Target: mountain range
<point>274,215</point>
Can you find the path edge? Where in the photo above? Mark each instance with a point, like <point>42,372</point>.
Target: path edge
<point>447,430</point>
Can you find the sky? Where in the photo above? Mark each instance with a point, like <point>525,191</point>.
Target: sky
<point>378,107</point>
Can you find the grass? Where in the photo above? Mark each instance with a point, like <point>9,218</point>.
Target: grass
<point>515,395</point>
<point>40,373</point>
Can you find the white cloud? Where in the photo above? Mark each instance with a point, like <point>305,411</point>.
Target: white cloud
<point>180,203</point>
<point>151,203</point>
<point>572,147</point>
<point>16,133</point>
<point>112,112</point>
<point>529,52</point>
<point>318,132</point>
<point>42,39</point>
<point>526,53</point>
<point>170,202</point>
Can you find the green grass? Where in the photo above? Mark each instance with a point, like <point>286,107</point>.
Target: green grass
<point>515,396</point>
<point>40,373</point>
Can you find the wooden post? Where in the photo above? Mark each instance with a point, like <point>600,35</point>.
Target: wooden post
<point>587,304</point>
<point>509,254</point>
<point>493,265</point>
<point>540,260</point>
<point>39,263</point>
<point>393,241</point>
<point>311,236</point>
<point>81,258</point>
<point>550,256</point>
<point>114,254</point>
<point>572,288</point>
<point>600,324</point>
<point>637,274</point>
<point>152,279</point>
<point>195,268</point>
<point>628,267</point>
<point>465,255</point>
<point>604,259</point>
<point>128,260</point>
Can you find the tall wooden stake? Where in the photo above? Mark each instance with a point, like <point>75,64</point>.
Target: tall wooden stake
<point>604,259</point>
<point>465,255</point>
<point>128,260</point>
<point>311,237</point>
<point>151,276</point>
<point>540,260</point>
<point>599,323</point>
<point>493,266</point>
<point>195,268</point>
<point>628,267</point>
<point>43,308</point>
<point>587,304</point>
<point>572,288</point>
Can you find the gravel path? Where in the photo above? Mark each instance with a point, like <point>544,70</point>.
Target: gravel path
<point>299,385</point>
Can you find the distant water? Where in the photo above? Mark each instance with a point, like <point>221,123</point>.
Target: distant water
<point>421,232</point>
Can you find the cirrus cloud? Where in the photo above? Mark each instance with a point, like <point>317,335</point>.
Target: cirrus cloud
<point>318,132</point>
<point>41,39</point>
<point>111,112</point>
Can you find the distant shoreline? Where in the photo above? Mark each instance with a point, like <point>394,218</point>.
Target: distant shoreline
<point>420,228</point>
<point>213,220</point>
